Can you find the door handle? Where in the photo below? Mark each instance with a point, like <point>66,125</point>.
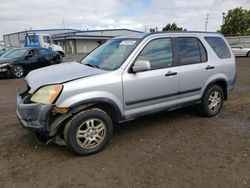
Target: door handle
<point>209,67</point>
<point>171,73</point>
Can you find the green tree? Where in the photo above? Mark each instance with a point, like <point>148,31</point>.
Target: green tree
<point>172,27</point>
<point>237,22</point>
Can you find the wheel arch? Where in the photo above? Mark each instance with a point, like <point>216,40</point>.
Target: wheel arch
<point>61,53</point>
<point>220,82</point>
<point>14,64</point>
<point>105,104</point>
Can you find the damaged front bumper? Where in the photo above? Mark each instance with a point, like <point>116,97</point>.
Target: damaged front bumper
<point>34,116</point>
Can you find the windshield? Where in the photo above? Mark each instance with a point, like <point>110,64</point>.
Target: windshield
<point>14,53</point>
<point>111,54</point>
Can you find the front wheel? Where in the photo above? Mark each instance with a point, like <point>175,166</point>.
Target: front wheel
<point>17,71</point>
<point>248,54</point>
<point>88,132</point>
<point>212,101</point>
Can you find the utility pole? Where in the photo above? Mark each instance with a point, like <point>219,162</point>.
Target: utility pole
<point>63,24</point>
<point>145,29</point>
<point>206,22</point>
<point>223,18</point>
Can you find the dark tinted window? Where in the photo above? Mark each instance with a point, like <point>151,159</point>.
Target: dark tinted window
<point>203,52</point>
<point>191,51</point>
<point>44,51</point>
<point>219,46</point>
<point>33,52</point>
<point>159,53</point>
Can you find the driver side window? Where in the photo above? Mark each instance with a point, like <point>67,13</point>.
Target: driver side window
<point>158,52</point>
<point>33,53</point>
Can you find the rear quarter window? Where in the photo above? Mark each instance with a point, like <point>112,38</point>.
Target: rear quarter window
<point>219,46</point>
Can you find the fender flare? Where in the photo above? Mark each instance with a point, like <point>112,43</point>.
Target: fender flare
<point>225,90</point>
<point>81,105</point>
<point>93,101</point>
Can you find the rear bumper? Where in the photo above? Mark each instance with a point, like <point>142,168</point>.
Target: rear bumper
<point>232,82</point>
<point>33,116</point>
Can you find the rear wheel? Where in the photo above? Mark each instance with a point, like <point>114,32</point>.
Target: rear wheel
<point>17,71</point>
<point>61,55</point>
<point>212,101</point>
<point>58,59</point>
<point>88,132</point>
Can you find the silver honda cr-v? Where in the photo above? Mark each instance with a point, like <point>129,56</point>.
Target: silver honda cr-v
<point>125,78</point>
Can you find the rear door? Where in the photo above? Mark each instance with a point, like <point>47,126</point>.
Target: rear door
<point>193,67</point>
<point>45,56</point>
<point>150,90</point>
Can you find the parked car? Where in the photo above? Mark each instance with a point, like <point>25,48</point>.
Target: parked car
<point>19,61</point>
<point>125,78</point>
<point>240,51</point>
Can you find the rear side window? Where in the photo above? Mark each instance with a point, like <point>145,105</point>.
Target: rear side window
<point>191,51</point>
<point>219,46</point>
<point>43,51</point>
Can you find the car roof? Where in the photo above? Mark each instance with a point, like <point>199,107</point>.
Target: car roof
<point>144,35</point>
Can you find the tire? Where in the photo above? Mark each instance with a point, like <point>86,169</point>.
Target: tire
<point>212,101</point>
<point>58,59</point>
<point>61,56</point>
<point>17,71</point>
<point>248,54</point>
<point>81,133</point>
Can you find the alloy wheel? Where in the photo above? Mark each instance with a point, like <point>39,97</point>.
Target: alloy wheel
<point>91,133</point>
<point>18,71</point>
<point>214,101</point>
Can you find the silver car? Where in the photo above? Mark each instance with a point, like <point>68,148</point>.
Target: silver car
<point>127,77</point>
<point>240,51</point>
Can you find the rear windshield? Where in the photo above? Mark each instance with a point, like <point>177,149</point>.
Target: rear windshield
<point>219,46</point>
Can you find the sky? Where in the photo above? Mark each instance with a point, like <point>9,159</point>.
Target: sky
<point>19,15</point>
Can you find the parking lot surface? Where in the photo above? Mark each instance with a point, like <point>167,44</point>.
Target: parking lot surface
<point>169,149</point>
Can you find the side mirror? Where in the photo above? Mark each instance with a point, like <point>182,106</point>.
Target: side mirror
<point>140,66</point>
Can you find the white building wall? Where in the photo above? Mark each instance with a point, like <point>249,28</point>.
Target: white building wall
<point>14,40</point>
<point>6,41</point>
<point>85,45</point>
<point>22,38</point>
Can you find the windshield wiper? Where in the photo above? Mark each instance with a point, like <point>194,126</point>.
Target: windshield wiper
<point>91,65</point>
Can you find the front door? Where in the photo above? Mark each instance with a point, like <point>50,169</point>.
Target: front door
<point>33,60</point>
<point>153,89</point>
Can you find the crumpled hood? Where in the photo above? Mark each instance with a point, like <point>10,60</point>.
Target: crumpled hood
<point>60,73</point>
